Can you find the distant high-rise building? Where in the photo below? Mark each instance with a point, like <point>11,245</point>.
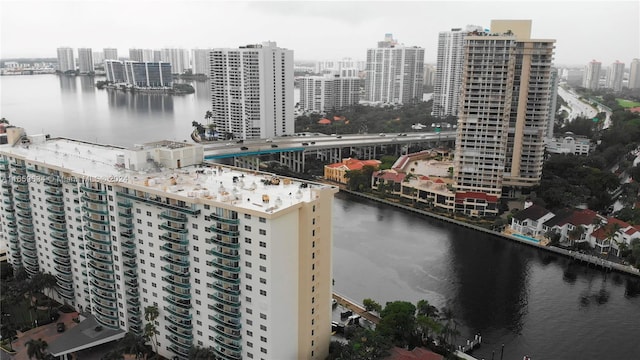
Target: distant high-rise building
<point>329,92</point>
<point>200,61</point>
<point>141,55</point>
<point>502,121</point>
<point>394,73</point>
<point>98,58</point>
<point>634,74</point>
<point>157,55</point>
<point>66,60</point>
<point>555,80</point>
<point>591,78</point>
<point>148,74</point>
<point>110,54</point>
<point>335,66</point>
<point>178,58</point>
<point>85,60</point>
<point>429,75</point>
<point>446,92</point>
<point>615,75</point>
<point>252,91</point>
<point>114,69</point>
<point>574,77</point>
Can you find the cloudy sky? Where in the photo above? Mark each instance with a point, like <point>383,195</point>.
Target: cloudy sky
<point>315,30</point>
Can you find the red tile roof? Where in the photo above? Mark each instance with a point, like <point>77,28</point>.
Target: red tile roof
<point>622,224</point>
<point>324,121</point>
<point>355,164</point>
<point>424,177</point>
<point>461,196</point>
<point>580,217</point>
<point>391,176</point>
<point>439,181</point>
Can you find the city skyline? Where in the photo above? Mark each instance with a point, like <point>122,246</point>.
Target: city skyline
<point>332,30</point>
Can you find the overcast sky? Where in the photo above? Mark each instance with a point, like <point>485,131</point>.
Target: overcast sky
<point>319,30</point>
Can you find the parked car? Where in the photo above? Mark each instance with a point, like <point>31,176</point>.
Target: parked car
<point>61,327</point>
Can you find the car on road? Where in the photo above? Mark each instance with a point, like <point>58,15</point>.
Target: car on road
<point>244,148</point>
<point>305,143</point>
<point>383,134</point>
<point>60,327</point>
<point>274,145</point>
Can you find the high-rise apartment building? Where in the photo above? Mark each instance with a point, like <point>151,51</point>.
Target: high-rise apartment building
<point>178,58</point>
<point>446,92</point>
<point>110,54</point>
<point>329,92</point>
<point>591,78</point>
<point>85,60</point>
<point>615,75</point>
<point>233,260</point>
<point>66,60</point>
<point>252,91</point>
<point>429,75</point>
<point>200,61</point>
<point>394,73</point>
<point>114,70</point>
<point>504,109</point>
<point>634,74</point>
<point>148,74</point>
<point>555,80</point>
<point>141,55</point>
<point>98,58</point>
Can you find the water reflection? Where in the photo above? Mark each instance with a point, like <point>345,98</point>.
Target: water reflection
<point>140,102</point>
<point>493,281</point>
<point>203,89</point>
<point>67,83</point>
<point>87,84</point>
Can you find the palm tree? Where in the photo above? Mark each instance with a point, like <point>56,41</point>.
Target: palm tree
<point>208,115</point>
<point>151,313</point>
<point>36,349</point>
<point>134,344</point>
<point>575,234</point>
<point>612,232</point>
<point>4,121</point>
<point>198,353</point>
<point>449,331</point>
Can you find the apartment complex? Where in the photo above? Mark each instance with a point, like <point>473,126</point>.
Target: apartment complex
<point>252,91</point>
<point>329,92</point>
<point>139,74</point>
<point>446,92</point>
<point>200,61</point>
<point>85,61</point>
<point>66,60</point>
<point>615,75</point>
<point>142,55</point>
<point>178,58</point>
<point>394,73</point>
<point>634,74</point>
<point>591,79</point>
<point>110,53</point>
<point>234,260</point>
<point>504,109</point>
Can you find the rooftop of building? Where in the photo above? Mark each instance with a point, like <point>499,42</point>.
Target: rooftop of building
<point>200,183</point>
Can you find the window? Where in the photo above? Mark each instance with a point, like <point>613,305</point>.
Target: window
<point>195,248</point>
<point>249,344</point>
<point>195,226</point>
<point>263,292</point>
<point>263,316</point>
<point>195,237</point>
<point>247,228</point>
<point>247,264</point>
<point>247,216</point>
<point>262,220</point>
<point>263,244</point>
<point>249,311</point>
<point>263,350</point>
<point>249,322</point>
<point>247,252</point>
<point>148,213</point>
<point>248,276</point>
<point>263,339</point>
<point>248,299</point>
<point>263,256</point>
<point>262,280</point>
<point>313,232</point>
<point>248,287</point>
<point>247,240</point>
<point>263,232</point>
<point>250,333</point>
<point>263,268</point>
<point>263,327</point>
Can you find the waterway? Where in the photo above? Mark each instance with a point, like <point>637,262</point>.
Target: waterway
<point>535,303</point>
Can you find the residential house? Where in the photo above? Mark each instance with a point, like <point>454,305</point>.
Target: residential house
<point>613,236</point>
<point>531,221</point>
<point>566,220</point>
<point>337,172</point>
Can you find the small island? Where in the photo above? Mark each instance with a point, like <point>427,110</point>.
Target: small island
<point>175,89</point>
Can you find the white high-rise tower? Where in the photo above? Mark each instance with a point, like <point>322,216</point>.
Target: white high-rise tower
<point>66,60</point>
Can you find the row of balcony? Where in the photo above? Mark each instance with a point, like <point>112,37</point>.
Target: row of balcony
<point>158,202</point>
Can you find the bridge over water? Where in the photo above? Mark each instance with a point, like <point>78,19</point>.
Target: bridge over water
<point>291,151</point>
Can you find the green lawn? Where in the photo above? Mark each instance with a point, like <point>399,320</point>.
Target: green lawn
<point>627,103</point>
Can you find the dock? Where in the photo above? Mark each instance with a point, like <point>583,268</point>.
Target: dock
<point>356,308</point>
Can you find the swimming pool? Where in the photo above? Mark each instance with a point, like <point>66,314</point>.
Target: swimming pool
<point>524,237</point>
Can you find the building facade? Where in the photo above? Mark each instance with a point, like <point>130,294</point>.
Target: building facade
<point>504,108</point>
<point>148,74</point>
<point>591,79</point>
<point>446,92</point>
<point>252,91</point>
<point>114,70</point>
<point>200,61</point>
<point>142,55</point>
<point>66,60</point>
<point>110,53</point>
<point>85,61</point>
<point>634,74</point>
<point>233,260</point>
<point>615,75</point>
<point>394,73</point>
<point>178,58</point>
<point>323,93</point>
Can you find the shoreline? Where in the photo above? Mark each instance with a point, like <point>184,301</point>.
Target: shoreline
<point>600,264</point>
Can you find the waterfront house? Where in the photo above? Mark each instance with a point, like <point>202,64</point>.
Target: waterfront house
<point>613,235</point>
<point>531,221</point>
<point>566,221</point>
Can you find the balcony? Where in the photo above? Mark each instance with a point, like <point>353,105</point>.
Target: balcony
<point>57,244</point>
<point>185,336</point>
<point>185,295</point>
<point>57,219</point>
<point>225,254</point>
<point>230,312</point>
<point>132,292</point>
<point>129,254</point>
<point>92,190</point>
<point>180,271</point>
<point>178,350</point>
<point>125,204</point>
<point>108,296</point>
<point>131,264</point>
<point>158,202</point>
<point>103,230</point>
<point>181,240</point>
<point>227,355</point>
<point>232,335</point>
<point>133,302</point>
<point>52,191</point>
<point>61,252</point>
<point>102,285</point>
<point>227,232</point>
<point>95,210</point>
<point>185,304</point>
<point>179,312</point>
<point>175,229</point>
<point>102,220</point>
<point>177,250</point>
<point>227,343</point>
<point>173,216</point>
<point>128,244</point>
<point>125,215</point>
<point>226,322</point>
<point>104,250</point>
<point>226,265</point>
<point>67,294</point>
<point>103,276</point>
<point>58,210</point>
<point>54,201</point>
<point>225,299</point>
<point>232,243</point>
<point>111,315</point>
<point>98,240</point>
<point>225,277</point>
<point>182,283</point>
<point>224,220</point>
<point>99,258</point>
<point>175,261</point>
<point>96,266</point>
